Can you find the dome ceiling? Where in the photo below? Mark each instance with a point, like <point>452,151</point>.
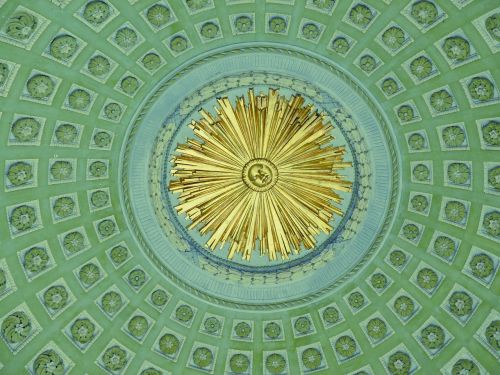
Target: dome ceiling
<point>100,273</point>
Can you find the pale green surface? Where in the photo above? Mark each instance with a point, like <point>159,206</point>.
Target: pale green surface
<point>479,195</point>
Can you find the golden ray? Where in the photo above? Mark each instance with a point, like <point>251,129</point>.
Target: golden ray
<point>261,172</point>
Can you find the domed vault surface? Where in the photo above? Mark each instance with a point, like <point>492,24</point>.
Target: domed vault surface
<point>98,274</point>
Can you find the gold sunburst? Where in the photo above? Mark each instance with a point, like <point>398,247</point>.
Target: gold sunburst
<point>263,172</point>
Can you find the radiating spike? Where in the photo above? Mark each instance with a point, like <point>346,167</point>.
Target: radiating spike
<point>263,172</point>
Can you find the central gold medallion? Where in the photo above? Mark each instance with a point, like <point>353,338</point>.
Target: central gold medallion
<point>261,176</point>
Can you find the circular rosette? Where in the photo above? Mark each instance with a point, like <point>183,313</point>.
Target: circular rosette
<point>491,133</point>
<point>242,329</point>
<point>310,31</point>
<point>427,278</point>
<point>96,12</point>
<point>243,24</point>
<point>99,66</point>
<point>159,297</point>
<point>63,47</point>
<point>83,330</point>
<point>311,358</point>
<point>21,25</point>
<point>126,37</point>
<point>455,211</point>
<point>390,86</point>
<point>421,172</point>
<point>302,325</point>
<point>158,15</point>
<point>66,134</point>
<point>367,63</point>
<point>277,24</point>
<point>203,357</point>
<point>411,232</point>
<point>169,344</point>
<point>458,173</point>
<point>404,306</point>
<point>56,297</point>
<point>416,141</point>
<point>399,363</point>
<point>16,327</point>
<point>178,44</point>
<point>494,177</point>
<point>272,330</point>
<point>397,258</point>
<point>99,198</point>
<point>421,67</point>
<point>492,24</point>
<point>111,302</point>
<point>74,242</point>
<point>444,246</point>
<point>48,363</point>
<point>331,315</point>
<point>26,129</point>
<point>98,169</point>
<point>492,334</point>
<point>432,336</point>
<point>64,207</point>
<point>151,61</point>
<point>184,313</point>
<point>481,265</point>
<point>424,12</point>
<point>20,173</point>
<point>419,203</point>
<point>441,101</point>
<point>460,304</point>
<point>212,325</point>
<point>129,85</point>
<point>275,363</point>
<point>138,326</point>
<point>356,300</point>
<point>112,111</point>
<point>453,136</point>
<point>376,328</point>
<point>79,99</point>
<point>137,278</point>
<point>119,254</point>
<point>481,89</point>
<point>61,170</point>
<point>393,37</point>
<point>209,30</point>
<point>345,346</point>
<point>40,86</point>
<point>103,139</point>
<point>491,223</point>
<point>36,259</point>
<point>106,227</point>
<point>456,48</point>
<point>239,363</point>
<point>89,274</point>
<point>340,45</point>
<point>361,15</point>
<point>23,217</point>
<point>114,358</point>
<point>465,366</point>
<point>406,113</point>
<point>378,280</point>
